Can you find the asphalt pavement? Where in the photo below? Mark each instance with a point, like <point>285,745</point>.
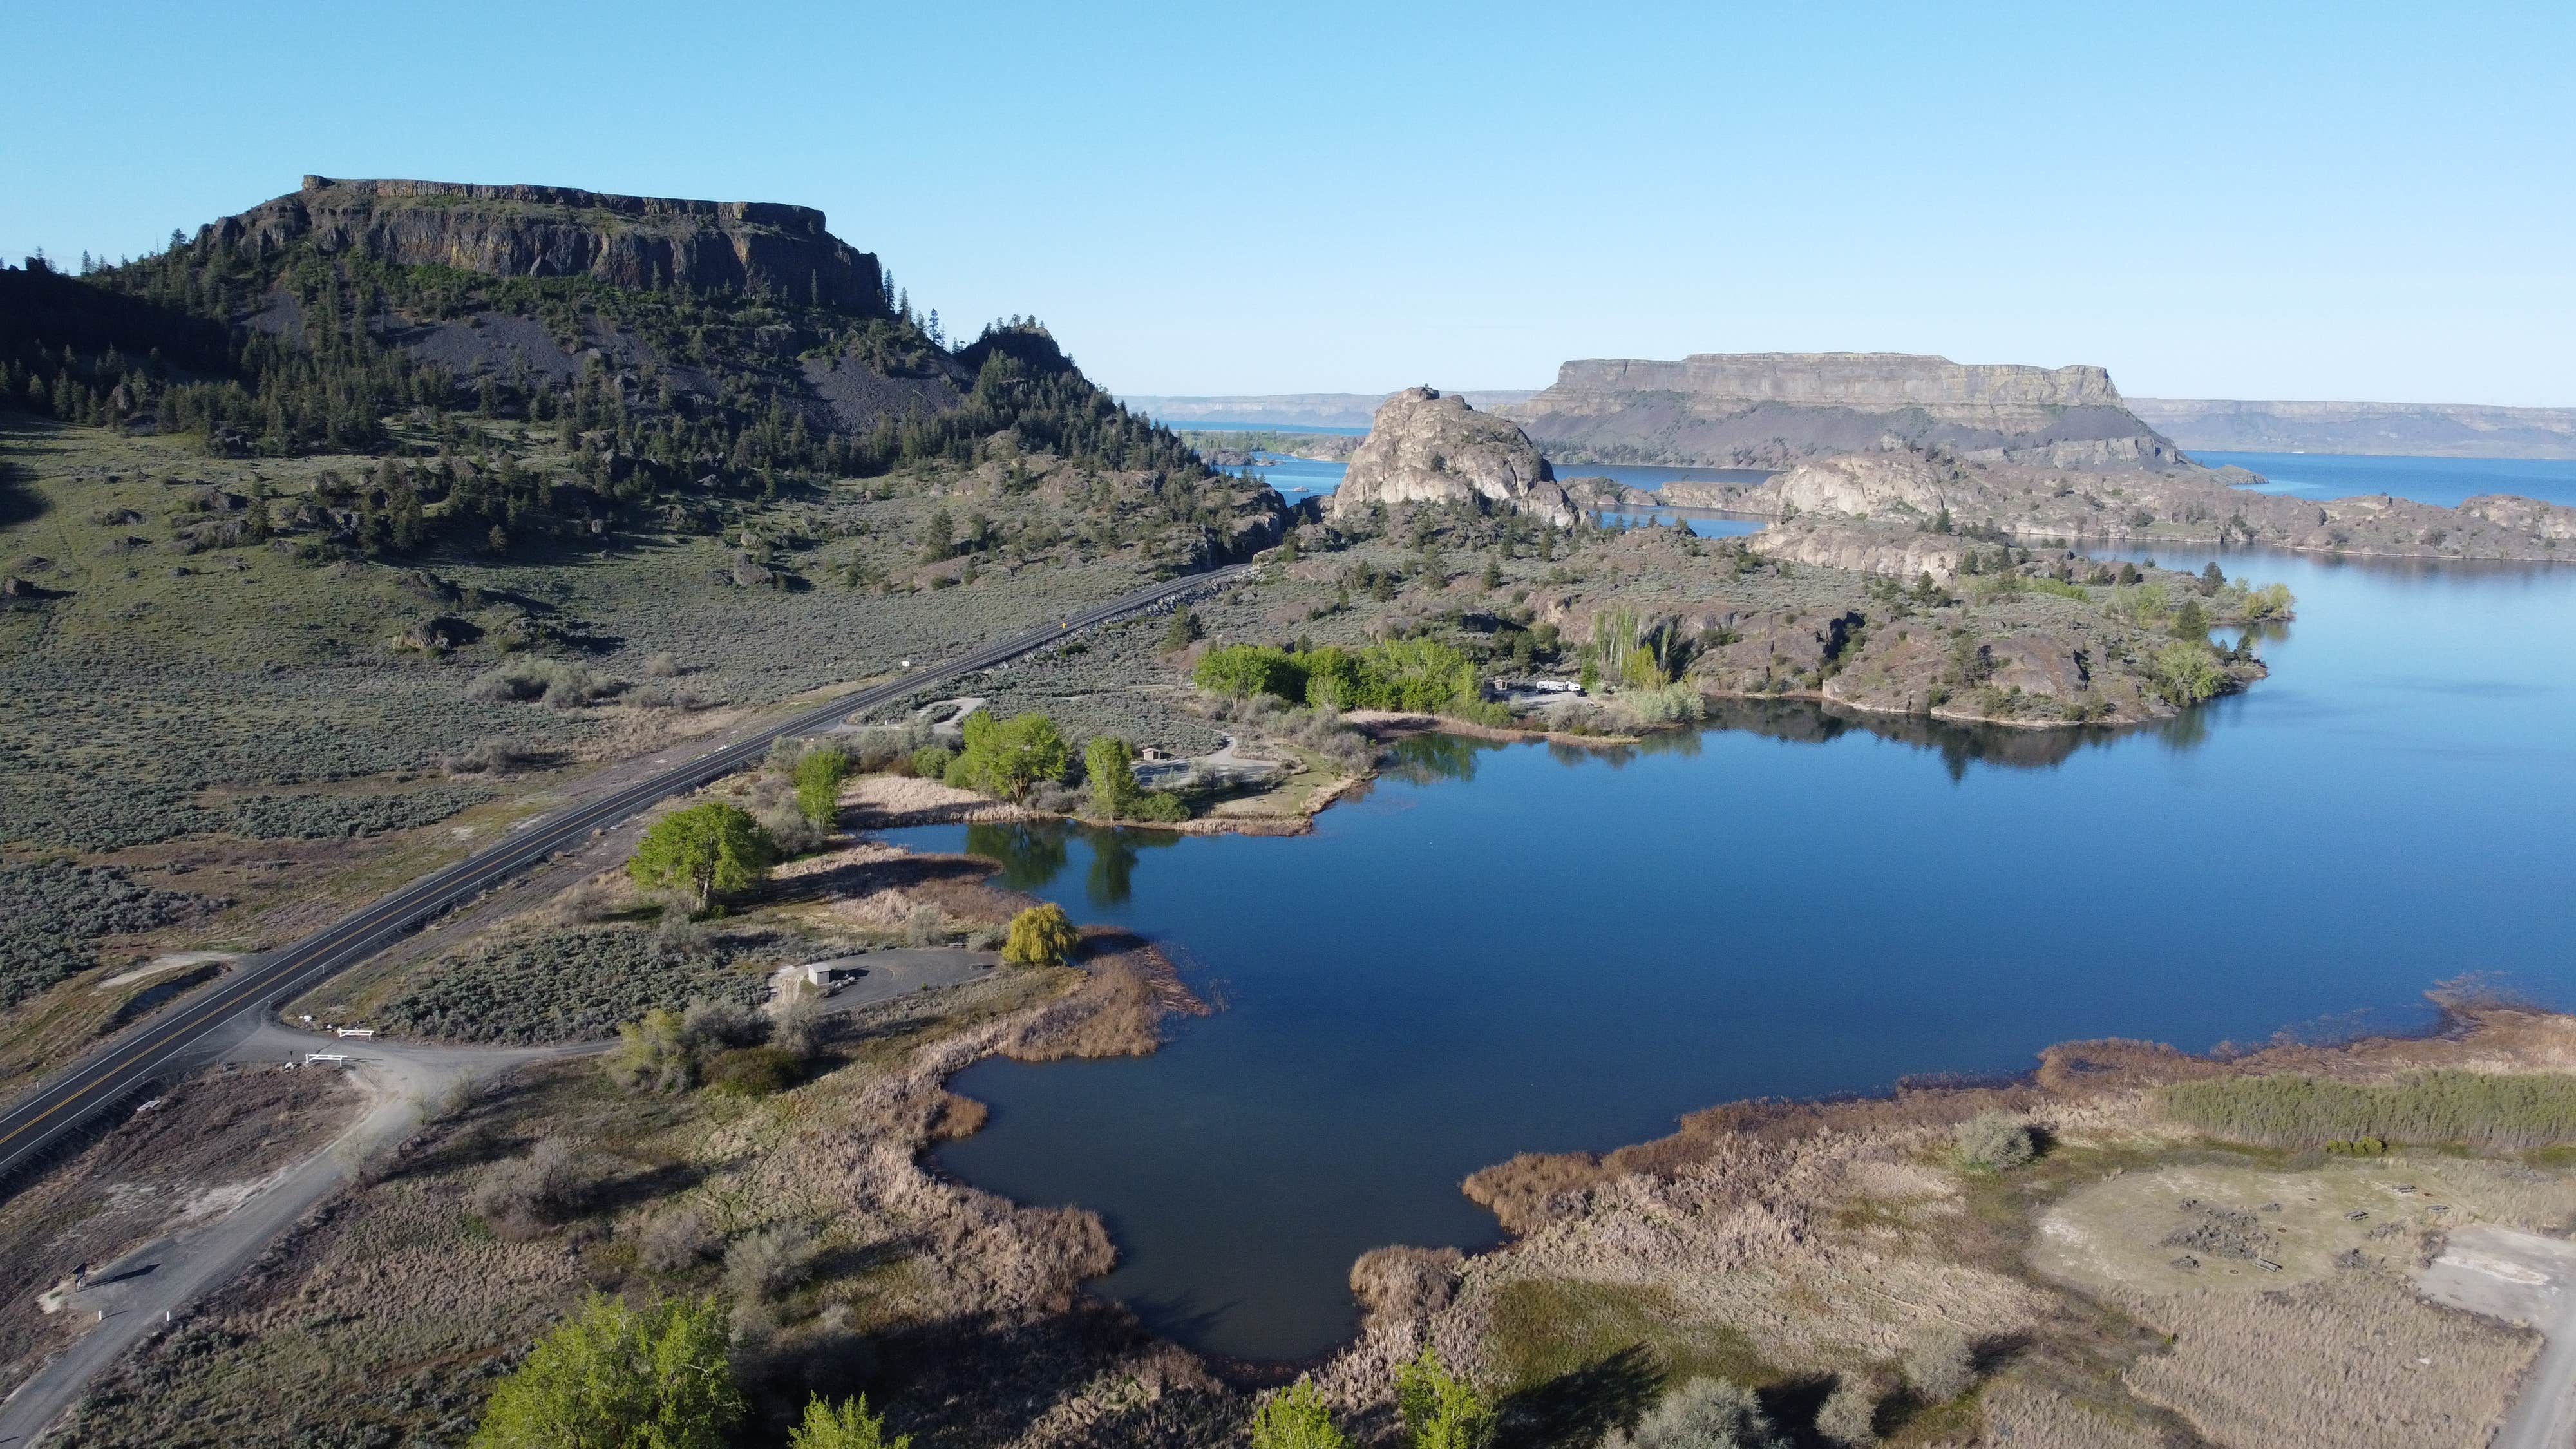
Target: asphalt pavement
<point>200,1026</point>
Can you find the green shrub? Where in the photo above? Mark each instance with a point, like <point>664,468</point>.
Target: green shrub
<point>51,909</point>
<point>1940,1366</point>
<point>1849,1415</point>
<point>1295,1418</point>
<point>614,1375</point>
<point>2186,672</point>
<point>931,762</point>
<point>847,1426</point>
<point>1703,1414</point>
<point>2272,601</point>
<point>329,817</point>
<point>578,984</point>
<point>1421,676</point>
<point>1993,1142</point>
<point>753,1071</point>
<point>1158,807</point>
<point>1441,1410</point>
<point>1240,670</point>
<point>2512,1113</point>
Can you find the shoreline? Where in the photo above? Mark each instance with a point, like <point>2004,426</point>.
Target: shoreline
<point>1529,1191</point>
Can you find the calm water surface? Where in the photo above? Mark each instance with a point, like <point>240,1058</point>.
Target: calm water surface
<point>2446,481</point>
<point>1514,948</point>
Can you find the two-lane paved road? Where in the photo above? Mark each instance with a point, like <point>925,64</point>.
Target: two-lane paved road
<point>58,1107</point>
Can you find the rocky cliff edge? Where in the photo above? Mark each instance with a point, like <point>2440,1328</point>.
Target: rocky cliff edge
<point>1424,447</point>
<point>642,242</point>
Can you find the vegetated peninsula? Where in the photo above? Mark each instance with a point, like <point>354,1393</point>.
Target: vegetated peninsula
<point>1449,537</point>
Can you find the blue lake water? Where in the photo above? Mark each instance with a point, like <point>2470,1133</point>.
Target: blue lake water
<point>2446,481</point>
<point>1510,948</point>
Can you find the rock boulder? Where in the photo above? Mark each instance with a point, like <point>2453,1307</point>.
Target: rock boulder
<point>1428,448</point>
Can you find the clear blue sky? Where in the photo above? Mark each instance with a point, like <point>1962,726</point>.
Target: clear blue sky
<point>2233,200</point>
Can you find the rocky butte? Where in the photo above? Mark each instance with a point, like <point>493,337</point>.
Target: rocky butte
<point>642,242</point>
<point>1426,447</point>
<point>1767,409</point>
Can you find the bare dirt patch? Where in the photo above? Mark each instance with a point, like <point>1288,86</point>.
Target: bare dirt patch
<point>206,1140</point>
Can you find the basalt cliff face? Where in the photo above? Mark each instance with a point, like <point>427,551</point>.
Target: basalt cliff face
<point>1424,447</point>
<point>1769,409</point>
<point>641,242</point>
<point>2434,430</point>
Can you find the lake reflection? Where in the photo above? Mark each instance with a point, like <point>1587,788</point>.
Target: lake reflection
<point>1500,948</point>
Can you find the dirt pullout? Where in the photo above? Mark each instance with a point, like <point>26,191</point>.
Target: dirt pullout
<point>199,1146</point>
<point>957,1309</point>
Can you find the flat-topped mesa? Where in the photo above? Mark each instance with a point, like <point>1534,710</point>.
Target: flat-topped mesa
<point>1766,409</point>
<point>1424,447</point>
<point>642,242</point>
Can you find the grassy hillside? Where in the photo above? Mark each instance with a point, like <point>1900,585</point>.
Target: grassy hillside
<point>318,569</point>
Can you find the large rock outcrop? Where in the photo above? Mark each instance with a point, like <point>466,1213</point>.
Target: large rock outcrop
<point>1768,409</point>
<point>1424,447</point>
<point>1901,486</point>
<point>643,242</point>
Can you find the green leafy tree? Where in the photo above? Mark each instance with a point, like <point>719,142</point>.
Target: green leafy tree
<point>1009,757</point>
<point>616,1377</point>
<point>703,851</point>
<point>1109,764</point>
<point>1041,936</point>
<point>1440,1409</point>
<point>1417,674</point>
<point>1241,670</point>
<point>847,1425</point>
<point>2187,673</point>
<point>938,536</point>
<point>819,773</point>
<point>1295,1418</point>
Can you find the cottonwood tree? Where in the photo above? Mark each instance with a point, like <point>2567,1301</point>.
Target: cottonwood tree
<point>702,852</point>
<point>1009,757</point>
<point>1109,764</point>
<point>613,1376</point>
<point>819,772</point>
